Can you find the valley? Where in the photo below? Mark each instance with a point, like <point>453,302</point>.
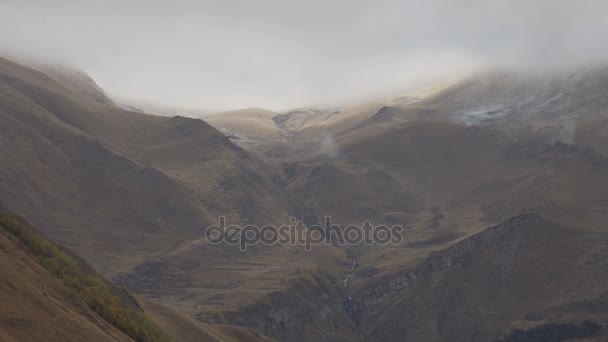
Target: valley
<point>500,182</point>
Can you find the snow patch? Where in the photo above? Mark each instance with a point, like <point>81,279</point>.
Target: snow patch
<point>483,112</point>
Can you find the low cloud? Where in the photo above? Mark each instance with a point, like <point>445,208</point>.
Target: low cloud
<point>281,54</point>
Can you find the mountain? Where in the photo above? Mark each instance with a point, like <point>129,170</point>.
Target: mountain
<point>249,126</point>
<point>501,235</point>
<point>98,178</point>
<point>280,136</point>
<point>65,172</point>
<point>505,224</point>
<point>122,189</point>
<point>568,106</point>
<point>132,193</point>
<point>499,182</point>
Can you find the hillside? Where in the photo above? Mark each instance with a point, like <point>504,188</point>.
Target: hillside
<point>52,175</point>
<point>281,136</point>
<point>98,178</point>
<point>50,294</point>
<point>126,190</point>
<point>527,273</point>
<point>122,189</point>
<point>248,127</point>
<point>523,273</point>
<point>504,215</point>
<point>564,105</point>
<point>76,81</point>
<point>453,184</point>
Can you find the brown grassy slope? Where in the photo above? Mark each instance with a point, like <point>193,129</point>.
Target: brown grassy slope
<point>438,162</point>
<point>390,173</point>
<point>227,180</point>
<point>278,136</point>
<point>185,329</point>
<point>97,178</point>
<point>120,187</point>
<point>251,125</point>
<point>317,129</point>
<point>188,150</point>
<point>463,178</point>
<point>79,191</point>
<point>52,295</point>
<point>36,306</point>
<point>201,278</point>
<point>444,180</point>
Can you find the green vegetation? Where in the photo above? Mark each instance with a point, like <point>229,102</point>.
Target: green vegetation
<point>113,305</point>
<point>554,332</point>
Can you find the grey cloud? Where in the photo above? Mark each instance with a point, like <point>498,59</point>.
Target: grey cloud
<point>278,54</point>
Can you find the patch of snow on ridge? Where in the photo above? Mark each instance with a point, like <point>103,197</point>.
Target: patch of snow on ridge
<point>484,112</point>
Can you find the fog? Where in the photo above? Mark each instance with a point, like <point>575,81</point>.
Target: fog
<point>279,54</point>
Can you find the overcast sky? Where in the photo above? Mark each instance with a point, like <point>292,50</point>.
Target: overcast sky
<point>281,54</point>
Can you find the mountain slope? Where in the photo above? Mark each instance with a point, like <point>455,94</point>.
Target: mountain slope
<point>125,189</point>
<point>504,222</point>
<point>98,178</point>
<point>42,302</point>
<point>454,186</point>
<point>76,81</point>
<point>50,294</point>
<point>280,136</point>
<point>185,329</point>
<point>565,105</point>
<point>509,276</point>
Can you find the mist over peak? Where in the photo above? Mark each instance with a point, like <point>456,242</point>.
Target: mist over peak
<point>286,54</point>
